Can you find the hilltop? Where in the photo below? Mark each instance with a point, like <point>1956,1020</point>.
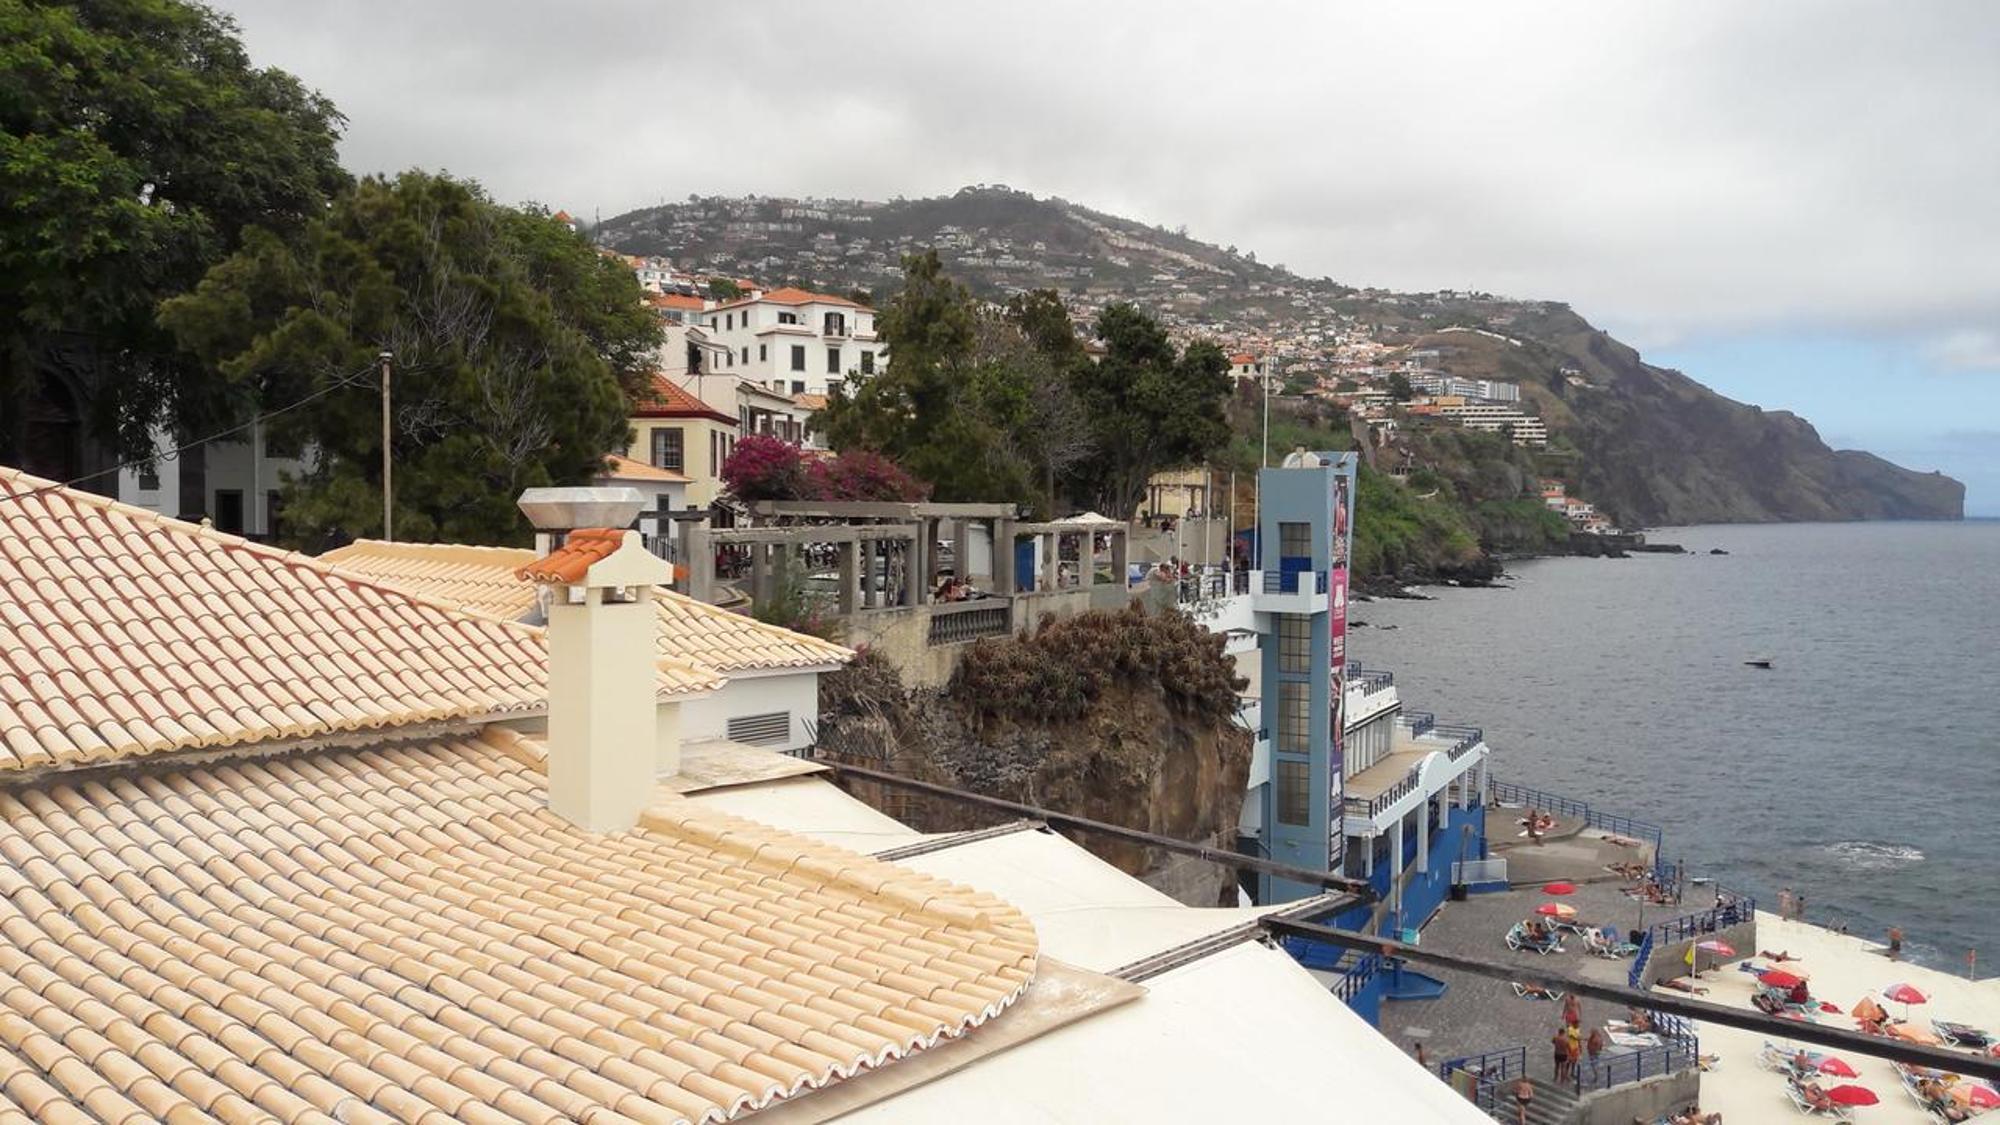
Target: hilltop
<point>1646,444</point>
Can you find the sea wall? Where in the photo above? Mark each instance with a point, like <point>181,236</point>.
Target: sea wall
<point>1669,960</point>
<point>1649,1100</point>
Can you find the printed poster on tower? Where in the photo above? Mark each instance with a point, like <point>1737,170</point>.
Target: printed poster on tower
<point>1343,465</point>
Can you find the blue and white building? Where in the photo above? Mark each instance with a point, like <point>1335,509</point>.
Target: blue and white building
<point>1343,777</point>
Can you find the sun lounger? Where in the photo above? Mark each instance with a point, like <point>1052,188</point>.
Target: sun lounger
<point>1797,1097</point>
<point>1536,993</point>
<point>1911,1033</point>
<point>1960,1035</point>
<point>1518,940</point>
<point>1609,947</point>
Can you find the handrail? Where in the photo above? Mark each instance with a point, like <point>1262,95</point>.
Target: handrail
<point>1418,722</point>
<point>1509,793</point>
<point>1490,1069</point>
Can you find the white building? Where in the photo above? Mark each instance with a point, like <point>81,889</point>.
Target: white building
<point>240,483</point>
<point>1246,368</point>
<point>1492,418</point>
<point>793,341</point>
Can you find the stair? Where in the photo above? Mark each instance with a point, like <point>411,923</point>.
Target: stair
<point>1553,1104</point>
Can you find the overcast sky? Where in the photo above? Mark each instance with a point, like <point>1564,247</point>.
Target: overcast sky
<point>1798,203</point>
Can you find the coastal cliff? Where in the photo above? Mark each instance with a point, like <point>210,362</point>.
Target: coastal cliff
<point>1121,717</point>
<point>1654,447</point>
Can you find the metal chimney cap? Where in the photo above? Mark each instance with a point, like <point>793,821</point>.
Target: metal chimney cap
<point>566,509</point>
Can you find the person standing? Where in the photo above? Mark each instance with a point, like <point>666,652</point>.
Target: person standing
<point>1572,1011</point>
<point>1895,943</point>
<point>1799,907</point>
<point>1595,1045</point>
<point>1785,904</point>
<point>1524,1093</point>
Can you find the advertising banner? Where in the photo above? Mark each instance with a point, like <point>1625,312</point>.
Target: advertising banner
<point>1341,552</point>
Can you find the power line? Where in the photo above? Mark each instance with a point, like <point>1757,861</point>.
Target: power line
<point>176,451</point>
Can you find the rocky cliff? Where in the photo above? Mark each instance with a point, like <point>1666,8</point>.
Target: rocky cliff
<point>1655,447</point>
<point>1121,717</point>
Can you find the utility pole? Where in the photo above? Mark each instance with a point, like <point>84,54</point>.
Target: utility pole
<point>388,494</point>
<point>1267,419</point>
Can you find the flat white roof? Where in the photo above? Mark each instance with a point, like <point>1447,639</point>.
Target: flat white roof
<point>1231,1037</point>
<point>811,806</point>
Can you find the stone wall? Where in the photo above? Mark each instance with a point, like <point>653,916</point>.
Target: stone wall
<point>1640,1101</point>
<point>1670,960</point>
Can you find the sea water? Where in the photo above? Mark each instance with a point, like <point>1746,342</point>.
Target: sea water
<point>1861,770</point>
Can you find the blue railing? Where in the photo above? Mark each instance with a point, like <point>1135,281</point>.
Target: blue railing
<point>1418,723</point>
<point>1463,739</point>
<point>1732,909</point>
<point>1356,977</point>
<point>1287,581</point>
<point>1644,831</point>
<point>1491,1071</point>
<point>1371,679</point>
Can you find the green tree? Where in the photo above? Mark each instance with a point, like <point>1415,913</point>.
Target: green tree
<point>516,348</point>
<point>1399,387</point>
<point>137,144</point>
<point>1151,408</point>
<point>928,412</point>
<point>723,289</point>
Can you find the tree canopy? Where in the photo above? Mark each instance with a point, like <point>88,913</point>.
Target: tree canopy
<point>1005,404</point>
<point>137,144</point>
<point>516,348</point>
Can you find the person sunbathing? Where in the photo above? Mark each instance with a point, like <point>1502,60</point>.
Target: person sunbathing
<point>1780,956</point>
<point>1682,984</point>
<point>1815,1097</point>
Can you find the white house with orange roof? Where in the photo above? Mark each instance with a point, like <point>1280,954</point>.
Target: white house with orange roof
<point>1246,367</point>
<point>794,341</point>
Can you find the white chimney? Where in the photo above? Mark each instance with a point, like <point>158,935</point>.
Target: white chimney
<point>604,723</point>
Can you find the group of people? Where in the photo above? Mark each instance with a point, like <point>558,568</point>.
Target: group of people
<point>954,589</point>
<point>1935,1093</point>
<point>1693,1115</point>
<point>1791,905</point>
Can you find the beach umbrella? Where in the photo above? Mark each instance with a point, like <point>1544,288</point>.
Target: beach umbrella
<point>1556,910</point>
<point>1559,888</point>
<point>1719,948</point>
<point>1837,1067</point>
<point>1779,978</point>
<point>1849,1094</point>
<point>1905,994</point>
<point>1976,1095</point>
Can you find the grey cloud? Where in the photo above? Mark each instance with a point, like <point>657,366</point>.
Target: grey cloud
<point>1670,169</point>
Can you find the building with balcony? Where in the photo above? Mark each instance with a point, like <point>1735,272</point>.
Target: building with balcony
<point>794,341</point>
<point>1342,777</point>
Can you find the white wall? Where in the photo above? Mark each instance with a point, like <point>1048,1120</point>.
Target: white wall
<point>750,693</point>
<point>239,466</point>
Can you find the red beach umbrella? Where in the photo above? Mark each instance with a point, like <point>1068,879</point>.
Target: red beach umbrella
<point>1559,889</point>
<point>1719,948</point>
<point>1905,994</point>
<point>1779,978</point>
<point>1977,1095</point>
<point>1556,910</point>
<point>1838,1068</point>
<point>1849,1094</point>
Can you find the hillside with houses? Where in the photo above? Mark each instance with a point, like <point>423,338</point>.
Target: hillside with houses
<point>1645,445</point>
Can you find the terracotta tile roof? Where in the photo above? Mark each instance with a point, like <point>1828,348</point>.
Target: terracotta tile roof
<point>124,633</point>
<point>810,402</point>
<point>406,934</point>
<point>675,301</point>
<point>668,399</point>
<point>482,579</point>
<point>626,468</point>
<point>791,295</point>
<point>582,549</point>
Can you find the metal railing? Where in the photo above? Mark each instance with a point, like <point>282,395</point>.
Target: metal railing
<point>1418,723</point>
<point>1509,794</point>
<point>1371,681</point>
<point>952,625</point>
<point>1357,977</point>
<point>1288,581</point>
<point>1491,1070</point>
<point>1373,807</point>
<point>1463,739</point>
<point>1731,909</point>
